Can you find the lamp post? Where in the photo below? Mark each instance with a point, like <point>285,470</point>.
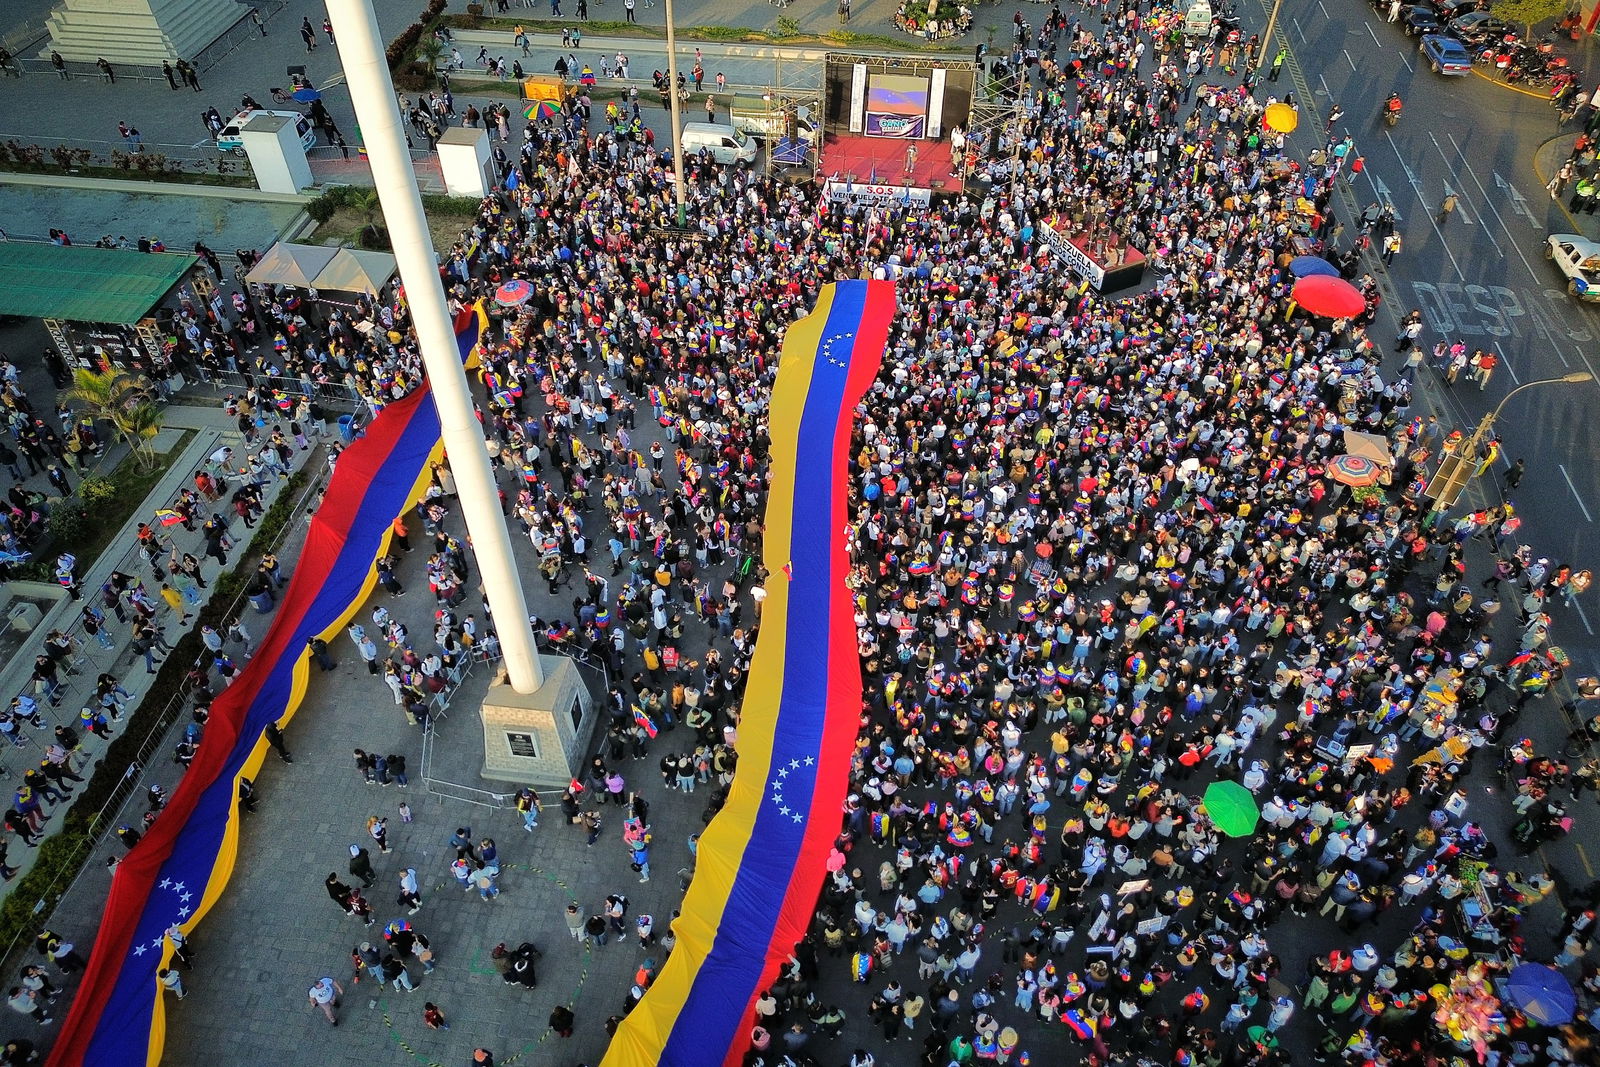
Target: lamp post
<point>361,52</point>
<point>1457,471</point>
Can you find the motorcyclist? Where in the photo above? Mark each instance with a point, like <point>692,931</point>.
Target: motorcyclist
<point>1393,105</point>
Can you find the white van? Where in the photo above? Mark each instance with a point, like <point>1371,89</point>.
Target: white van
<point>230,141</point>
<point>726,144</point>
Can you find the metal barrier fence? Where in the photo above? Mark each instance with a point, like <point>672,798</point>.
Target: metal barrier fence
<point>325,392</point>
<point>444,789</point>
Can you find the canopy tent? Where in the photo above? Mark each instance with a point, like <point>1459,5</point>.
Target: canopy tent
<point>353,270</point>
<point>293,265</point>
<point>1373,446</point>
<point>81,284</point>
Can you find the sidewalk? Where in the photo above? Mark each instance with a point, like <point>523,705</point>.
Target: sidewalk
<point>212,430</point>
<point>1546,162</point>
<point>747,67</point>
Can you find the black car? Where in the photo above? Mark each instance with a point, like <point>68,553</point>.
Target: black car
<point>1420,20</point>
<point>1478,26</point>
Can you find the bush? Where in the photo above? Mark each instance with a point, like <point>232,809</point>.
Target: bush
<point>69,521</point>
<point>97,492</point>
<point>787,26</point>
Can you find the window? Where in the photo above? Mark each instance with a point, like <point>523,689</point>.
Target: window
<point>522,745</point>
<point>577,713</point>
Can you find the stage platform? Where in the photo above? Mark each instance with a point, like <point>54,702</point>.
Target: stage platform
<point>882,160</point>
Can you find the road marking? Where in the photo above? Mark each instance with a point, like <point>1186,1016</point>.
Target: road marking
<point>1296,24</point>
<point>1585,620</point>
<point>1404,60</point>
<point>1374,36</point>
<point>1416,187</point>
<point>1325,90</point>
<point>1519,203</point>
<point>1383,192</point>
<point>1322,9</point>
<point>1507,364</point>
<point>1489,201</point>
<point>1584,856</point>
<point>1348,60</point>
<point>1563,469</point>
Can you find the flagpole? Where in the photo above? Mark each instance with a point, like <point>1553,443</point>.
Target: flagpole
<point>361,52</point>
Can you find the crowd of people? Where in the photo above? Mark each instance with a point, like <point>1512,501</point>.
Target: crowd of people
<point>1098,564</point>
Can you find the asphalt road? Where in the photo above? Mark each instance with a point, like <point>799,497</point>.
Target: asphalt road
<point>1480,277</point>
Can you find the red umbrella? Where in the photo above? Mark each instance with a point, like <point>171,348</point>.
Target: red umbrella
<point>1330,297</point>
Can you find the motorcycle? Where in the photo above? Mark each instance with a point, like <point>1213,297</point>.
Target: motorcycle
<point>1391,115</point>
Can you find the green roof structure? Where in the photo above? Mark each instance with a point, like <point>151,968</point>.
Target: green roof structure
<point>80,284</point>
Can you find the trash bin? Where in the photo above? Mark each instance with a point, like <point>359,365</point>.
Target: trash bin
<point>262,602</point>
<point>347,428</point>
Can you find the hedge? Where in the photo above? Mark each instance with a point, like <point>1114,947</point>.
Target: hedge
<point>34,897</point>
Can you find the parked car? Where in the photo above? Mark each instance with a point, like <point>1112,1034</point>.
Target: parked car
<point>1477,26</point>
<point>229,139</point>
<point>1446,55</point>
<point>1420,21</point>
<point>1579,259</point>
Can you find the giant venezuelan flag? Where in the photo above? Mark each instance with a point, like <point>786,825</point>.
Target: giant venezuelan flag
<point>762,860</point>
<point>180,868</point>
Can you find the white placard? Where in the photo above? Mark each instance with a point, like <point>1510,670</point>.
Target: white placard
<point>858,96</point>
<point>936,103</point>
<point>1072,255</point>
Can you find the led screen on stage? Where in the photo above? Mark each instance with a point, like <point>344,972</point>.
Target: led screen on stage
<point>897,106</point>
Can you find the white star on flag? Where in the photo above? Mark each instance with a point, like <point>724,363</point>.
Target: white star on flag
<point>810,760</point>
<point>166,883</point>
<point>184,912</point>
<point>177,887</point>
<point>794,764</point>
<point>185,897</point>
<point>138,950</point>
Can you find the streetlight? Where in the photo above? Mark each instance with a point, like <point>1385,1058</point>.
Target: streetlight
<point>1458,470</point>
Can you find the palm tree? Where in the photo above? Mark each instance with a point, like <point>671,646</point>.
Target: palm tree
<point>124,400</point>
<point>371,208</point>
<point>430,49</point>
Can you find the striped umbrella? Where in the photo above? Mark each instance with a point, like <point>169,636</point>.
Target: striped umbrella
<point>1354,471</point>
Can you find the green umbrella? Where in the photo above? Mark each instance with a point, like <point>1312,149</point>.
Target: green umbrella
<point>1232,809</point>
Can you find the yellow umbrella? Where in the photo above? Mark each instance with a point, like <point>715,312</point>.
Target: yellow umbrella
<point>1282,118</point>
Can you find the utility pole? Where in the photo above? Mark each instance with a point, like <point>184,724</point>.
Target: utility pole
<point>361,51</point>
<point>677,121</point>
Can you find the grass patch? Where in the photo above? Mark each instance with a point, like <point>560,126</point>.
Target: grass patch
<point>447,217</point>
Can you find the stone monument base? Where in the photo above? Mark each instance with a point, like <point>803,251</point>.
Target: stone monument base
<point>538,739</point>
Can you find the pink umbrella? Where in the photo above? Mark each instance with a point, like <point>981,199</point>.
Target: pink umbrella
<point>1329,297</point>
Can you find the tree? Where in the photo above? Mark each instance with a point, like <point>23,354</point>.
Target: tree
<point>366,201</point>
<point>124,400</point>
<point>1528,13</point>
<point>430,50</point>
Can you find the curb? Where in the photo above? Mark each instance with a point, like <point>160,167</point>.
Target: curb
<point>1538,172</point>
<point>131,185</point>
<point>1507,85</point>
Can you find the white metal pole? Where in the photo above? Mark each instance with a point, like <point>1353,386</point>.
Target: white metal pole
<point>372,92</point>
<point>675,106</point>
